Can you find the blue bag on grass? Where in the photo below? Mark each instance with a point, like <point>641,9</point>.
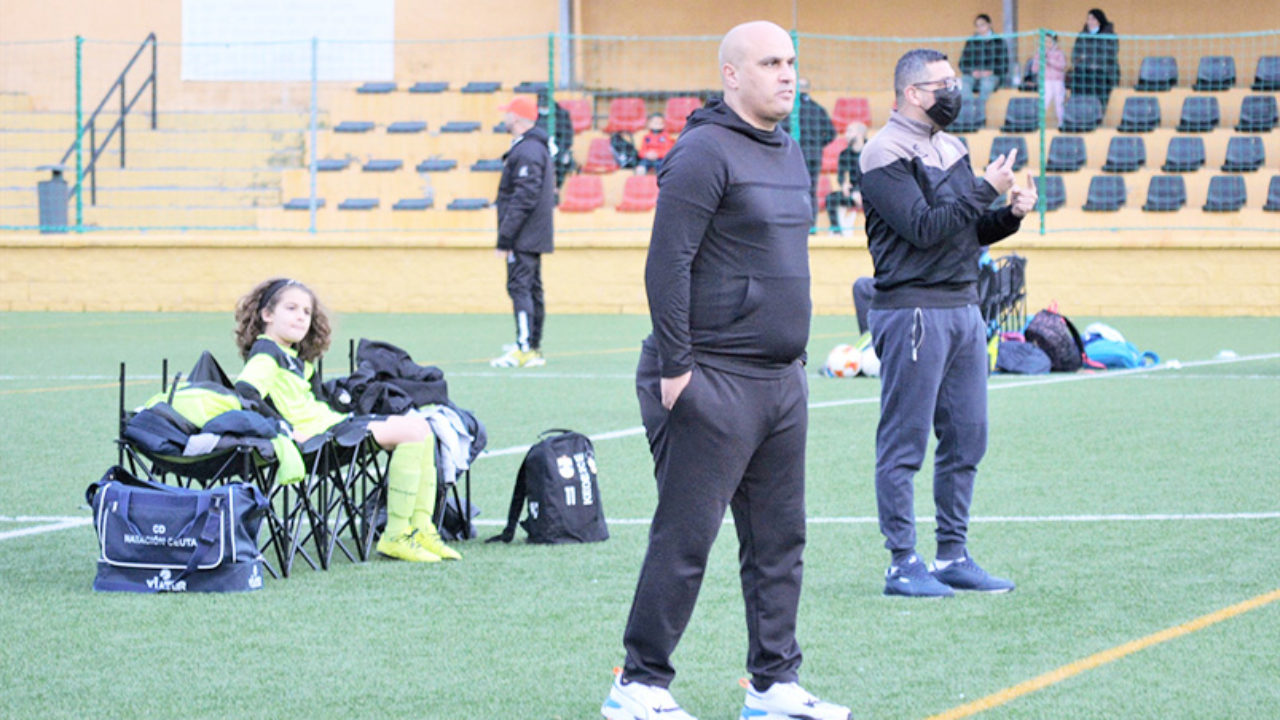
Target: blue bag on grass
<point>156,538</point>
<point>1119,354</point>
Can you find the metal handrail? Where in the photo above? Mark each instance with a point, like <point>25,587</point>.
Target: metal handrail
<point>90,125</point>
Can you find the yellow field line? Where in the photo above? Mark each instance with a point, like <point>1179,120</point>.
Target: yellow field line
<point>29,391</point>
<point>1104,657</point>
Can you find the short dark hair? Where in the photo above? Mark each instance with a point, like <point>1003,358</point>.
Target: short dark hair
<point>983,16</point>
<point>911,68</point>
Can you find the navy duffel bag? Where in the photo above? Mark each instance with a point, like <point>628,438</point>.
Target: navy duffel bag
<point>154,537</point>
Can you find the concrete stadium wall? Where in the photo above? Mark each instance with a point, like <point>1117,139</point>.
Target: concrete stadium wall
<point>1180,273</point>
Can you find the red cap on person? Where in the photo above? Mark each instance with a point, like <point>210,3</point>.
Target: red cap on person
<point>523,107</point>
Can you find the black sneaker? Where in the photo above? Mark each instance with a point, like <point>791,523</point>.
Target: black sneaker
<point>912,579</point>
<point>965,574</point>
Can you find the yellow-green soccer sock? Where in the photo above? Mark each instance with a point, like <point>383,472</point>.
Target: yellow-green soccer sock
<point>424,506</point>
<point>404,475</point>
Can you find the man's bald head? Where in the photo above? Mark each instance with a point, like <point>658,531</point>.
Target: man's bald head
<point>733,47</point>
<point>758,71</point>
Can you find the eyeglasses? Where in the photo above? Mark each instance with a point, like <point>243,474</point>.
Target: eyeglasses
<point>946,84</point>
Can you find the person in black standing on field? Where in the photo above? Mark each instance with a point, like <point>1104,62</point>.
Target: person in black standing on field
<point>927,223</point>
<point>526,202</point>
<point>816,131</point>
<point>562,147</point>
<point>1095,61</point>
<point>722,386</point>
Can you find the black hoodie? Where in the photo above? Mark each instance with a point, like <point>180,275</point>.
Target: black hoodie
<point>527,195</point>
<point>728,268</point>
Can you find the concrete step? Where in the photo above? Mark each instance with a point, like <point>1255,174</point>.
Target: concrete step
<point>180,120</point>
<point>115,177</point>
<point>146,139</point>
<point>137,158</point>
<point>160,196</point>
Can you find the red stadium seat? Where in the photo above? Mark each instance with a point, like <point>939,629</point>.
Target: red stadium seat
<point>640,194</point>
<point>824,189</point>
<point>678,109</point>
<point>831,154</point>
<point>626,114</point>
<point>600,157</point>
<point>579,111</point>
<point>851,109</point>
<point>582,193</point>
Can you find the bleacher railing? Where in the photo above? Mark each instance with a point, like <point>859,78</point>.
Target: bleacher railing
<point>303,136</point>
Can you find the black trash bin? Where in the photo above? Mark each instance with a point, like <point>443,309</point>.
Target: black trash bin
<point>52,194</point>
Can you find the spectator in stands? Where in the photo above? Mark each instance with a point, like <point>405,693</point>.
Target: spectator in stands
<point>1095,64</point>
<point>848,177</point>
<point>983,62</point>
<point>655,145</point>
<point>816,130</point>
<point>281,329</point>
<point>526,204</point>
<point>1055,73</point>
<point>562,145</point>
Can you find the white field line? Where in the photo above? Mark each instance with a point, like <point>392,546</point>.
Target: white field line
<point>1030,382</point>
<point>61,524</point>
<point>993,519</point>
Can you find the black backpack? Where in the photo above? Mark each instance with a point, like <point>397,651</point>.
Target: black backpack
<point>1058,338</point>
<point>624,151</point>
<point>558,478</point>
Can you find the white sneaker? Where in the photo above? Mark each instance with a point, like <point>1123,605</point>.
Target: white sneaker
<point>789,701</point>
<point>637,701</point>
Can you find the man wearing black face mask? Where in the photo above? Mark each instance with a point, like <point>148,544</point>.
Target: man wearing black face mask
<point>927,224</point>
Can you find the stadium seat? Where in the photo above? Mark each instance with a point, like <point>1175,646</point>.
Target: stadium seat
<point>1066,154</point>
<point>429,87</point>
<point>358,204</point>
<point>848,110</point>
<point>1216,72</point>
<point>1021,115</point>
<point>972,118</point>
<point>1267,76</point>
<point>354,126</point>
<point>376,88</point>
<point>482,165</point>
<point>1199,114</point>
<point>481,87</point>
<point>824,189</point>
<point>626,114</point>
<point>1053,190</point>
<point>1002,144</point>
<point>413,204</point>
<point>600,157</point>
<point>303,204</point>
<point>579,110</point>
<point>582,193</point>
<point>1273,195</point>
<point>831,154</point>
<point>1141,114</point>
<point>1157,73</point>
<point>677,112</point>
<point>468,204</point>
<point>436,165</point>
<point>1081,113</point>
<point>1185,154</point>
<point>383,165</point>
<point>1125,154</point>
<point>406,126</point>
<point>531,86</point>
<point>332,164</point>
<point>460,126</point>
<point>1166,193</point>
<point>1245,153</point>
<point>1226,194</point>
<point>1257,113</point>
<point>639,194</point>
<point>1106,193</point>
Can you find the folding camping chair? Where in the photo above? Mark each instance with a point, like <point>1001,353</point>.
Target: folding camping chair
<point>1002,294</point>
<point>244,460</point>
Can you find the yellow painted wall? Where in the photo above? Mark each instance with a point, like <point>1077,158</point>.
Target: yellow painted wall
<point>1095,274</point>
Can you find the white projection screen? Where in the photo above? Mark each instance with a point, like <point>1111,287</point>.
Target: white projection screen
<point>270,40</point>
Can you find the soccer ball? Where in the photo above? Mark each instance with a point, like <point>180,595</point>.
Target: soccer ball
<point>870,364</point>
<point>843,361</point>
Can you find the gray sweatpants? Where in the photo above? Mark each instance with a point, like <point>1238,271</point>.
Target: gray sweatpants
<point>933,375</point>
<point>737,442</point>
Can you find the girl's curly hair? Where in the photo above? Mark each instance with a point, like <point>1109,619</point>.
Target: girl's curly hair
<point>249,323</point>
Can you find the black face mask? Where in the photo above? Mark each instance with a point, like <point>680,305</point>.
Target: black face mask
<point>945,108</point>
